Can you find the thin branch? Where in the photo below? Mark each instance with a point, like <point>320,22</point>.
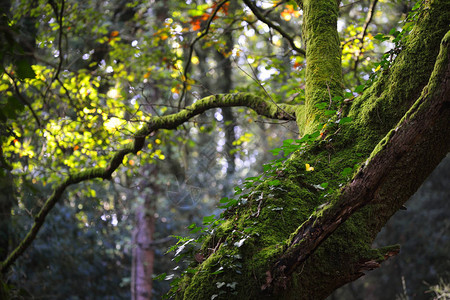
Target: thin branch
<point>255,78</point>
<point>23,98</point>
<point>369,17</point>
<point>59,17</point>
<point>191,50</point>
<point>269,23</point>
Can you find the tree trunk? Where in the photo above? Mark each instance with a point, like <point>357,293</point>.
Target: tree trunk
<point>303,233</point>
<point>143,253</point>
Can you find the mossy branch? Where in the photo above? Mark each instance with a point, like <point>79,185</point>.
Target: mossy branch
<point>259,105</point>
<point>424,129</point>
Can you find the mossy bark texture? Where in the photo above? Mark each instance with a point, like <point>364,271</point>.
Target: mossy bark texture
<point>294,240</point>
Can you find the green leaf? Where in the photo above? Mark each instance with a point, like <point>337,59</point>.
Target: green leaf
<point>274,182</point>
<point>209,219</point>
<point>345,120</point>
<point>322,105</point>
<point>267,167</point>
<point>218,271</point>
<point>288,142</point>
<point>348,95</point>
<point>275,151</point>
<point>359,89</point>
<point>237,190</point>
<point>347,172</point>
<point>381,37</point>
<point>160,277</point>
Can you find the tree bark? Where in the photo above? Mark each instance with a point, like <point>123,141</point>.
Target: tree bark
<point>143,253</point>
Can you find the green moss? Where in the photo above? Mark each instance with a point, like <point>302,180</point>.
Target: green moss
<point>323,60</point>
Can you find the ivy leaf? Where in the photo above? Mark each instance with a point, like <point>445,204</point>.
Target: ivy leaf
<point>209,219</point>
<point>324,185</point>
<point>321,105</point>
<point>288,142</point>
<point>381,37</point>
<point>274,182</point>
<point>160,277</point>
<point>359,89</point>
<point>347,172</point>
<point>345,120</point>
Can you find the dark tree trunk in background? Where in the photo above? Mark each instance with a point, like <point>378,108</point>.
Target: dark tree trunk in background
<point>143,252</point>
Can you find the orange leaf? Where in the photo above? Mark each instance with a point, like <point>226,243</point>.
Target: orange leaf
<point>289,8</point>
<point>297,65</point>
<point>114,33</point>
<point>224,8</point>
<point>205,16</point>
<point>195,24</point>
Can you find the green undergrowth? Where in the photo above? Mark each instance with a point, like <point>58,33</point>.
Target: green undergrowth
<point>256,225</point>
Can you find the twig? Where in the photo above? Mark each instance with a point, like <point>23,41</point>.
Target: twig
<point>259,83</point>
<point>269,23</point>
<point>363,33</point>
<point>191,50</point>
<point>59,17</point>
<point>22,98</point>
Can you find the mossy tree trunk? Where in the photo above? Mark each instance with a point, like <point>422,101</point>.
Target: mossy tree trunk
<point>298,240</point>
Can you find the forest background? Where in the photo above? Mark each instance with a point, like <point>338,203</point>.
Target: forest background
<point>79,77</point>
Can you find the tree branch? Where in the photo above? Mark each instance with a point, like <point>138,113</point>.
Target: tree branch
<point>423,129</point>
<point>259,105</point>
<point>269,23</point>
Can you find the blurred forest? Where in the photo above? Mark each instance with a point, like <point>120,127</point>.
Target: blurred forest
<point>77,78</point>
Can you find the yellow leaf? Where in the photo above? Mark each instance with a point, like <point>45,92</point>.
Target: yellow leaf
<point>286,15</point>
<point>195,60</point>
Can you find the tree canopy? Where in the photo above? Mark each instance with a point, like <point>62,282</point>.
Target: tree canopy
<point>307,123</point>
